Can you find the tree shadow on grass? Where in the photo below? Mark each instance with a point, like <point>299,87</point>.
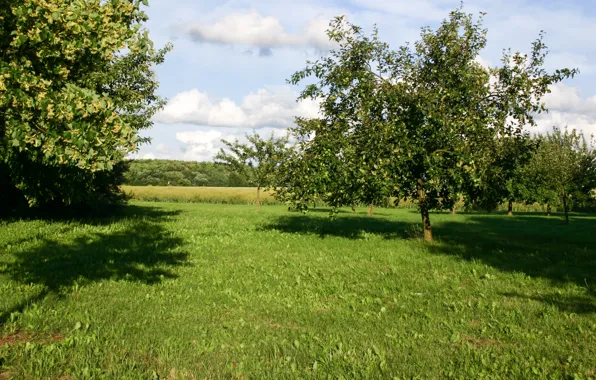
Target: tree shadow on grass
<point>350,226</point>
<point>533,244</point>
<point>132,245</point>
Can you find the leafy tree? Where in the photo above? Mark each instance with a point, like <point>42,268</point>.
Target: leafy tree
<point>413,123</point>
<point>501,177</point>
<point>259,159</point>
<point>563,168</point>
<point>76,87</point>
<point>181,173</point>
<point>200,180</point>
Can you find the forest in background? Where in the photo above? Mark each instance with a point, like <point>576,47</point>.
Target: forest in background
<point>182,173</point>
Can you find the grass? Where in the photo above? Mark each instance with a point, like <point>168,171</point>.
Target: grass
<point>218,195</point>
<point>218,291</point>
<point>247,196</point>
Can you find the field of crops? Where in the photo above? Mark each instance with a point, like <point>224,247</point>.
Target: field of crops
<point>247,196</point>
<point>219,195</point>
<point>183,291</point>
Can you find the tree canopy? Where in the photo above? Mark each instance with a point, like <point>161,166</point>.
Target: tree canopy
<point>563,170</point>
<point>412,122</point>
<point>76,87</point>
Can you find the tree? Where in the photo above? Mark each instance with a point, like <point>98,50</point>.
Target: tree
<point>563,168</point>
<point>259,159</point>
<point>500,175</point>
<point>413,123</point>
<point>76,87</point>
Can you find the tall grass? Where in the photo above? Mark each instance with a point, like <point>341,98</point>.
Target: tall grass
<point>247,196</point>
<point>215,195</point>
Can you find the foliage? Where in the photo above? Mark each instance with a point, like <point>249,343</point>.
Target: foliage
<point>182,173</point>
<point>412,123</point>
<point>258,159</point>
<point>563,170</point>
<point>503,179</point>
<point>211,291</point>
<point>76,87</point>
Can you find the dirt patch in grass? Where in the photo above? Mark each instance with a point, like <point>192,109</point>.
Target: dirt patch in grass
<point>23,337</point>
<point>481,342</point>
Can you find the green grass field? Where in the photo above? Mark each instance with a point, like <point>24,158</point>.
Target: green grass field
<point>219,291</point>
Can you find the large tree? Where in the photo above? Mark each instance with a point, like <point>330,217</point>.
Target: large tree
<point>414,123</point>
<point>258,159</point>
<point>76,86</point>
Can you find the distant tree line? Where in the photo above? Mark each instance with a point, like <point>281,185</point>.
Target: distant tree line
<point>183,173</point>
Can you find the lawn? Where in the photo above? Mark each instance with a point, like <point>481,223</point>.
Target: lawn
<point>190,290</point>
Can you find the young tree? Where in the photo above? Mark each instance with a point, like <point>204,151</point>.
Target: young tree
<point>259,159</point>
<point>500,173</point>
<point>76,87</point>
<point>563,168</point>
<point>416,120</point>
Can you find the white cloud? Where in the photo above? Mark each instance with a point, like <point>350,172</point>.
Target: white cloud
<point>252,28</point>
<point>201,145</point>
<point>568,108</point>
<point>267,107</point>
<point>204,144</point>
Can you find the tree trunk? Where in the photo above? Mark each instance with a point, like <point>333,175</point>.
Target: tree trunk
<point>259,198</point>
<point>454,210</point>
<point>566,208</point>
<point>371,210</point>
<point>428,232</point>
<point>548,210</point>
<point>510,208</point>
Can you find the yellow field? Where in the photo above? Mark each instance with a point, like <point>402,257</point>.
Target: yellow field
<point>247,195</point>
<point>229,195</point>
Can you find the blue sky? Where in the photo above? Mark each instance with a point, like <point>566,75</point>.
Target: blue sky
<point>227,73</point>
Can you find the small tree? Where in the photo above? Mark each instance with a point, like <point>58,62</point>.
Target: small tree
<point>563,168</point>
<point>258,159</point>
<point>500,173</point>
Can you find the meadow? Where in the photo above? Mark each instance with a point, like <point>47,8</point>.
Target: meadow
<point>246,196</point>
<point>188,194</point>
<point>196,290</point>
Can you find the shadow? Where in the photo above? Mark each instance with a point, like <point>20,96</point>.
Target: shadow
<point>573,304</point>
<point>532,244</point>
<point>132,246</point>
<point>359,211</point>
<point>349,225</point>
<point>538,246</point>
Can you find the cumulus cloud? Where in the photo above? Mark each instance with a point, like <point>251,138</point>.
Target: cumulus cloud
<point>204,144</point>
<point>267,107</point>
<point>568,108</point>
<point>265,32</point>
<point>201,145</point>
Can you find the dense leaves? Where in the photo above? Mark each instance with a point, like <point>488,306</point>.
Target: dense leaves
<point>76,87</point>
<point>182,173</point>
<point>420,122</point>
<point>563,170</point>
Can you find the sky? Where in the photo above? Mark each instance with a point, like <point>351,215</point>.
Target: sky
<point>227,73</point>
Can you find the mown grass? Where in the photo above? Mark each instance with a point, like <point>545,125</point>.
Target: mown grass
<point>220,291</point>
